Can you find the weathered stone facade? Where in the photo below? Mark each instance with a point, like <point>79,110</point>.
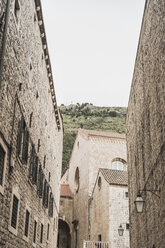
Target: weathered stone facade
<point>146,131</point>
<point>31,133</point>
<point>92,150</point>
<point>109,208</point>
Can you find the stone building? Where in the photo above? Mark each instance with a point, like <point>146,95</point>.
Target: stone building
<point>65,217</point>
<point>31,130</point>
<point>146,131</point>
<point>92,150</point>
<point>108,208</point>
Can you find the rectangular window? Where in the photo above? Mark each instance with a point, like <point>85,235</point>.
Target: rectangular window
<point>14,212</point>
<point>51,200</point>
<point>2,164</point>
<point>126,194</point>
<point>40,182</point>
<point>35,232</point>
<point>99,237</point>
<point>41,237</point>
<point>27,223</point>
<point>127,226</point>
<point>48,231</point>
<point>22,141</point>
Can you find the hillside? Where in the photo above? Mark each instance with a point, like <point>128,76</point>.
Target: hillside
<point>90,117</point>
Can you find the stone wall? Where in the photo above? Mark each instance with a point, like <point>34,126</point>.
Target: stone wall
<point>108,209</point>
<point>119,214</point>
<point>26,91</point>
<point>90,152</point>
<point>99,211</point>
<point>146,130</point>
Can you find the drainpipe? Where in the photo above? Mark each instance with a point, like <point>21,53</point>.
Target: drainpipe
<point>4,39</point>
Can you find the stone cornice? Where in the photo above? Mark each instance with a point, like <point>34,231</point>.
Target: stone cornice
<point>47,60</point>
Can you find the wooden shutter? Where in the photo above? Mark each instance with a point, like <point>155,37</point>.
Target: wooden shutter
<point>2,161</point>
<point>14,212</point>
<point>40,182</point>
<point>47,196</point>
<point>27,223</point>
<point>25,146</point>
<point>41,237</point>
<point>44,192</point>
<point>31,161</point>
<point>35,169</point>
<point>19,135</point>
<point>35,231</point>
<point>51,200</point>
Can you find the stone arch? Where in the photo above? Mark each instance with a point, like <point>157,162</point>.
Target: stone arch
<point>64,234</point>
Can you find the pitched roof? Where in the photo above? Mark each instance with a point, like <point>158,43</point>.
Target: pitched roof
<point>65,190</point>
<point>115,176</point>
<point>101,133</point>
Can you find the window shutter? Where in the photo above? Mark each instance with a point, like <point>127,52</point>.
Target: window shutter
<point>25,146</point>
<point>51,199</point>
<point>27,223</point>
<point>14,212</point>
<point>19,135</point>
<point>35,232</point>
<point>47,196</point>
<point>40,182</point>
<point>2,160</point>
<point>41,237</point>
<point>44,193</point>
<point>35,169</point>
<point>31,162</point>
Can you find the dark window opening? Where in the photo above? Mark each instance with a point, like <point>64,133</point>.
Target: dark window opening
<point>35,169</point>
<point>126,194</point>
<point>20,86</point>
<point>40,182</point>
<point>35,231</point>
<point>27,223</point>
<point>51,200</point>
<point>17,10</point>
<point>2,162</point>
<point>22,141</point>
<point>14,212</point>
<point>127,226</point>
<point>46,194</point>
<point>39,145</point>
<point>48,231</point>
<point>99,237</point>
<point>30,122</point>
<point>41,236</point>
<point>44,164</point>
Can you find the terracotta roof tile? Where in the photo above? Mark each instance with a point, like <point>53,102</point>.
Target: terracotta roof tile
<point>115,176</point>
<point>101,133</point>
<point>65,190</point>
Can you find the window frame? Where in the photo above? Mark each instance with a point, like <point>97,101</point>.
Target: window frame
<point>26,238</point>
<point>35,220</point>
<point>42,240</point>
<point>12,229</point>
<point>4,147</point>
<point>118,160</point>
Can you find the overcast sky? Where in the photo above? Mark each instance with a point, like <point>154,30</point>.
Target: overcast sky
<point>92,46</point>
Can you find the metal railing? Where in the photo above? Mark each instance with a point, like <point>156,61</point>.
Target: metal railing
<point>96,244</point>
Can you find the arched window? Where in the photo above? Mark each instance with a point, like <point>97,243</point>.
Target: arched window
<point>77,179</point>
<point>118,164</point>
